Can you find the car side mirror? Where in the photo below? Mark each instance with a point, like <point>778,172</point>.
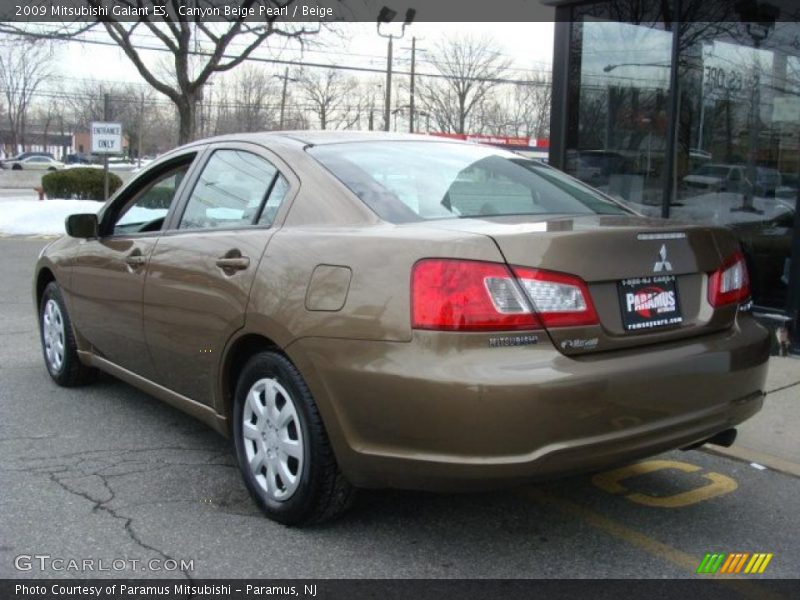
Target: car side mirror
<point>82,225</point>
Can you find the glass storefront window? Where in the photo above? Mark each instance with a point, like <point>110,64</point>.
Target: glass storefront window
<point>737,151</point>
<point>736,128</point>
<point>621,133</point>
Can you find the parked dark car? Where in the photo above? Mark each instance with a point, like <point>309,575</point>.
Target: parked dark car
<point>383,310</point>
<point>78,159</point>
<point>768,180</point>
<point>767,247</point>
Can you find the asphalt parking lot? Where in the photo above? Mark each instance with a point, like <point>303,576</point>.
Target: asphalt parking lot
<point>107,472</point>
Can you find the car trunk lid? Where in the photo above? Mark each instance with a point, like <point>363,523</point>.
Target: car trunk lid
<point>634,267</point>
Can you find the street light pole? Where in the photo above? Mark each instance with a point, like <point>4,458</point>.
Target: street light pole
<point>386,15</point>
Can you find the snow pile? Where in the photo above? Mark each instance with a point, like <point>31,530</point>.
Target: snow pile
<point>24,217</point>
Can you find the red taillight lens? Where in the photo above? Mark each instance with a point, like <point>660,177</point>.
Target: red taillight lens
<point>560,300</point>
<point>730,283</point>
<point>465,295</point>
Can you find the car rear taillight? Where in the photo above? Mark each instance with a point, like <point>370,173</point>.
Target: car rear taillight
<point>466,295</point>
<point>730,283</point>
<point>560,300</point>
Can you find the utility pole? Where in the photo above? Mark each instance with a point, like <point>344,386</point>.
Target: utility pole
<point>388,107</point>
<point>411,99</point>
<point>106,118</point>
<point>283,96</point>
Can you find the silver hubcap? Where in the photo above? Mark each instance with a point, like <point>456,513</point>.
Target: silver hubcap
<point>273,439</point>
<point>53,334</point>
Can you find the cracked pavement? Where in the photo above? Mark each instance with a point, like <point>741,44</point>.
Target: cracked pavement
<point>108,472</point>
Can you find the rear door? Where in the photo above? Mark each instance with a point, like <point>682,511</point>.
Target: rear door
<point>201,271</point>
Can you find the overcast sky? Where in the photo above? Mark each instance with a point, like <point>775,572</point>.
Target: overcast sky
<point>528,45</point>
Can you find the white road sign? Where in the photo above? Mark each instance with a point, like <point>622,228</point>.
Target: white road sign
<point>106,138</point>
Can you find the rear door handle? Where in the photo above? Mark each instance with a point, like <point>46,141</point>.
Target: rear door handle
<point>233,263</point>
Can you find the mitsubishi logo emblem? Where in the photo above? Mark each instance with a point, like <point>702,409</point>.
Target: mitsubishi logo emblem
<point>662,264</point>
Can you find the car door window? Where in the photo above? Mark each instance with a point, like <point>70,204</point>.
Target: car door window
<point>230,192</point>
<point>148,209</point>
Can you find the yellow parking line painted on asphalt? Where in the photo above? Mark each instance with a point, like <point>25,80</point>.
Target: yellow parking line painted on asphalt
<point>609,481</point>
<point>643,542</point>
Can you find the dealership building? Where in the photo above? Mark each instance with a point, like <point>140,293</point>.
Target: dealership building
<point>696,119</point>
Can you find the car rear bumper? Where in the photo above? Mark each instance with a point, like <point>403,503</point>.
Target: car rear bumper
<point>447,411</point>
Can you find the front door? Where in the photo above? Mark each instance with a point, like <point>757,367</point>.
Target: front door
<point>109,272</point>
<point>200,273</point>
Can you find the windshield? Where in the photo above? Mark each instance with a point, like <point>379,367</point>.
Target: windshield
<point>412,181</point>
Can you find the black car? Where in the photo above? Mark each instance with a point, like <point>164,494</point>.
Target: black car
<point>767,248</point>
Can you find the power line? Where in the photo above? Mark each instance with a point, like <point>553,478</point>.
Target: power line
<point>299,63</point>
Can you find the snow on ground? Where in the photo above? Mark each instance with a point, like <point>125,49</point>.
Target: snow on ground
<point>30,216</point>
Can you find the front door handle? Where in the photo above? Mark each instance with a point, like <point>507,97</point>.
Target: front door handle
<point>135,259</point>
<point>233,263</point>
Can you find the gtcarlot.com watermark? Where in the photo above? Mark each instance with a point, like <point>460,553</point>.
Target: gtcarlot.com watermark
<point>60,564</point>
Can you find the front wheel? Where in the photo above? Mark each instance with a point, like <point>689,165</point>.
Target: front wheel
<point>282,447</point>
<point>58,341</point>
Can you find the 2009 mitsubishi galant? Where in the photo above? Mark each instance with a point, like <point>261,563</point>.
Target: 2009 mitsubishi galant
<point>374,310</point>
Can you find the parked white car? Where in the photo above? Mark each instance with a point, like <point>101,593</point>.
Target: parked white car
<point>34,163</point>
<point>716,178</point>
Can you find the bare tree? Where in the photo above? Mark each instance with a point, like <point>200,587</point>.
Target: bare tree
<point>470,67</point>
<point>198,48</point>
<point>520,109</point>
<point>23,68</point>
<point>246,100</point>
<point>331,97</point>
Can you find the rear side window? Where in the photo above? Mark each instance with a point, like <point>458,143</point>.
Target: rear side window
<point>411,181</point>
<point>276,197</point>
<point>230,192</point>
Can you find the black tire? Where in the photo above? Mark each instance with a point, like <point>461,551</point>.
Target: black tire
<point>322,492</point>
<point>16,167</point>
<point>71,371</point>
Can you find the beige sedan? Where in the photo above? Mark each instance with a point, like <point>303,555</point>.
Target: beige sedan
<point>362,310</point>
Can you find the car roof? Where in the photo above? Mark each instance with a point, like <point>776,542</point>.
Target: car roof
<point>322,137</point>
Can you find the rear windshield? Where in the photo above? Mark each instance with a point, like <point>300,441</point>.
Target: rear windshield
<point>413,181</point>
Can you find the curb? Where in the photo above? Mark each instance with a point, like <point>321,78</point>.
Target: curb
<point>748,455</point>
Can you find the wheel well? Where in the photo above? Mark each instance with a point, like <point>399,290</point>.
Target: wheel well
<point>45,276</point>
<point>238,355</point>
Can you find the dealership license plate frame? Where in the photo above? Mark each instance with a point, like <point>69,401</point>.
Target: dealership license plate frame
<point>633,321</point>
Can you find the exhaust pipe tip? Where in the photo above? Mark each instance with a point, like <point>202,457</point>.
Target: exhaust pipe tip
<point>723,438</point>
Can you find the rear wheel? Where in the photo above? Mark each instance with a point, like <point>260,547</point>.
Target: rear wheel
<point>58,341</point>
<point>282,447</point>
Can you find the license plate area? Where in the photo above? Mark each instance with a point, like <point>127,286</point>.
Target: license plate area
<point>649,303</point>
